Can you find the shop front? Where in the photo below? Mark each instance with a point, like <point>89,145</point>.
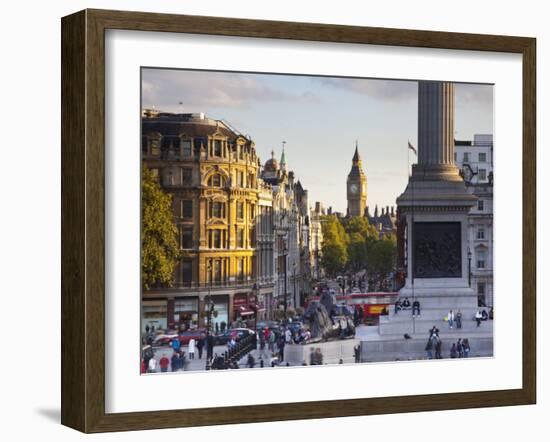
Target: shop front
<point>154,314</point>
<point>186,312</point>
<point>246,309</point>
<point>220,320</point>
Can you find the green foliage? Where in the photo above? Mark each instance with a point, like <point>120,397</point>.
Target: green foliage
<point>352,244</point>
<point>159,245</point>
<point>335,244</point>
<point>381,257</point>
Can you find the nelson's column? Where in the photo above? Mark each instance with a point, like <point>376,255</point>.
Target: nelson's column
<point>432,213</point>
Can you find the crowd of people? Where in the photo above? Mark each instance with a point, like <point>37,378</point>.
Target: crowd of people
<point>460,349</point>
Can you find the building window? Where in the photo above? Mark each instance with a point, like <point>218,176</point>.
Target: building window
<point>252,207</point>
<point>482,174</point>
<point>186,238</point>
<point>241,152</point>
<point>480,205</point>
<point>481,288</point>
<point>240,269</point>
<point>215,239</point>
<point>215,180</point>
<point>240,179</point>
<point>217,209</point>
<point>155,147</point>
<point>186,175</point>
<point>217,148</point>
<point>186,148</point>
<point>217,271</point>
<point>240,238</point>
<point>482,157</point>
<point>186,209</point>
<point>240,210</point>
<point>176,147</point>
<point>466,157</point>
<point>187,271</point>
<point>481,256</point>
<point>144,145</point>
<point>199,143</point>
<point>481,233</point>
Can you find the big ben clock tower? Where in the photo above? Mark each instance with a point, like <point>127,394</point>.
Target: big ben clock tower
<point>356,187</point>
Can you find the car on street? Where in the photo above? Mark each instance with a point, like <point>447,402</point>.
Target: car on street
<point>184,337</point>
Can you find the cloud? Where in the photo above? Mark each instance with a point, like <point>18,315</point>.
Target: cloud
<point>378,89</point>
<point>467,94</point>
<point>201,90</point>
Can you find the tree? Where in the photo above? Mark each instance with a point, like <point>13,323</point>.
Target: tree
<point>159,245</point>
<point>335,244</point>
<point>362,236</point>
<point>381,258</point>
<point>357,252</point>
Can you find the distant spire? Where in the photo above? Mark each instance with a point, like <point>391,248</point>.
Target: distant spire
<point>376,211</point>
<point>272,153</point>
<point>283,160</point>
<point>356,155</point>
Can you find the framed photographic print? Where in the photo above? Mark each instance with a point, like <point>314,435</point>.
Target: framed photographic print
<point>267,221</point>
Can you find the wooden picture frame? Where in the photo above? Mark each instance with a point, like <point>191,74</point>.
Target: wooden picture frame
<point>83,219</point>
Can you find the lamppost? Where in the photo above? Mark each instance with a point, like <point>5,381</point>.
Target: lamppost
<point>294,282</point>
<point>469,268</point>
<point>285,275</point>
<point>208,311</point>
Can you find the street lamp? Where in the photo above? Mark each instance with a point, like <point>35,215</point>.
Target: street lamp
<point>294,281</point>
<point>469,268</point>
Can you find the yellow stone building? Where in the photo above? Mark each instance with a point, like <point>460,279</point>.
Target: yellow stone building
<point>212,172</point>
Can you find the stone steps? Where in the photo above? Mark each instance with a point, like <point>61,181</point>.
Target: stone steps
<point>408,349</point>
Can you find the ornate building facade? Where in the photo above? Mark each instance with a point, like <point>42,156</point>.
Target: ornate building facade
<point>475,160</point>
<point>356,187</point>
<point>222,210</point>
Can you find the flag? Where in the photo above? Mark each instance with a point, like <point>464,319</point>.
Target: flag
<point>411,147</point>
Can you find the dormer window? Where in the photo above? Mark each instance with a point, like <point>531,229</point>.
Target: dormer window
<point>217,148</point>
<point>215,181</point>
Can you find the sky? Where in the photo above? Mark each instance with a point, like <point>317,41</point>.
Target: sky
<point>321,119</point>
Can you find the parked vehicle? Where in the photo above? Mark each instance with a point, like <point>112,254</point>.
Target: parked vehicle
<point>184,337</point>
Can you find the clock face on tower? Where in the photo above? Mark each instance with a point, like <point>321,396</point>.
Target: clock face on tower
<point>353,188</point>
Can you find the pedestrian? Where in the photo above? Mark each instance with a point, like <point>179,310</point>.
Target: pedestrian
<point>450,318</point>
<point>281,350</point>
<point>176,344</point>
<point>209,346</point>
<point>357,353</point>
<point>428,349</point>
<point>251,362</point>
<point>453,351</point>
<point>311,356</point>
<point>164,364</point>
<point>438,346</point>
<point>460,348</point>
<point>478,318</point>
<point>147,328</point>
<point>466,345</point>
<point>397,306</point>
<point>175,361</point>
<point>191,348</point>
<point>272,340</point>
<point>458,319</point>
<point>288,336</point>
<point>200,345</point>
<point>416,307</point>
<point>152,367</point>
